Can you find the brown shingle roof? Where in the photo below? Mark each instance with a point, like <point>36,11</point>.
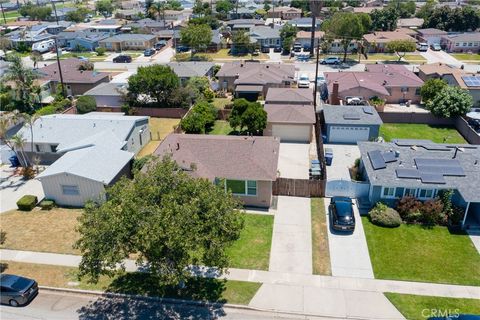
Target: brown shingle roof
<point>70,72</point>
<point>387,36</point>
<point>257,73</point>
<point>230,157</point>
<point>295,114</point>
<point>308,34</point>
<point>286,95</point>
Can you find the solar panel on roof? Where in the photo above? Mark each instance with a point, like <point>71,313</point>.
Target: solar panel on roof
<point>407,173</point>
<point>471,81</point>
<point>377,160</point>
<point>367,110</point>
<point>351,116</point>
<point>437,162</point>
<point>443,170</point>
<point>432,178</point>
<point>389,156</point>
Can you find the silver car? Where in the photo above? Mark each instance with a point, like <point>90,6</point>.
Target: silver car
<point>16,290</point>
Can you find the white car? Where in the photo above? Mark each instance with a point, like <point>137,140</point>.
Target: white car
<point>321,79</point>
<point>303,81</point>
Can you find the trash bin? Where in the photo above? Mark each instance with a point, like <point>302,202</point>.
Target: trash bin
<point>14,161</point>
<point>328,156</point>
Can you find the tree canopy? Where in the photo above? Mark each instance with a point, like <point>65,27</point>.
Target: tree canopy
<point>400,47</point>
<point>77,15</point>
<point>224,6</point>
<point>104,6</point>
<point>86,104</point>
<point>450,102</point>
<point>431,88</point>
<point>173,5</point>
<point>152,84</point>
<point>35,12</point>
<point>197,37</point>
<point>288,33</point>
<point>241,43</point>
<point>458,19</point>
<point>249,116</point>
<point>384,19</point>
<point>404,9</point>
<point>169,220</point>
<point>200,119</point>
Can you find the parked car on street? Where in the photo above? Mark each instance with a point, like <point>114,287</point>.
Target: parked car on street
<point>297,47</point>
<point>435,47</point>
<point>123,58</point>
<point>321,79</point>
<point>182,48</point>
<point>17,291</point>
<point>330,60</point>
<point>422,46</point>
<point>149,52</point>
<point>160,44</point>
<point>341,214</point>
<point>265,49</point>
<point>303,81</point>
<point>277,49</point>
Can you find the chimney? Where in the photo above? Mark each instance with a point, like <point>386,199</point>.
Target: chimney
<point>178,146</point>
<point>334,96</point>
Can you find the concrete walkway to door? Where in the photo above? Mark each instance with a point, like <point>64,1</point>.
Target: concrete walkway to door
<point>292,236</point>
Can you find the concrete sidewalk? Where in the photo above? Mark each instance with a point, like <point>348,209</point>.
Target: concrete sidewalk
<point>292,236</point>
<point>284,278</point>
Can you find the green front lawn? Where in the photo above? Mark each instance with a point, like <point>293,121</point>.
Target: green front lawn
<point>203,289</point>
<point>252,250</point>
<point>466,56</point>
<point>221,127</point>
<point>412,252</point>
<point>439,134</point>
<point>321,253</point>
<point>421,307</point>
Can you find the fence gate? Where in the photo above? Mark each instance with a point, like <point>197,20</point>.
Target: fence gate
<point>346,188</point>
<point>298,187</point>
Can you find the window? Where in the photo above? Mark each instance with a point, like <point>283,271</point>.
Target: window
<point>425,194</point>
<point>37,148</point>
<point>388,192</point>
<point>241,187</point>
<point>417,91</point>
<point>410,192</point>
<point>470,44</point>
<point>70,190</point>
<point>404,89</point>
<point>53,147</point>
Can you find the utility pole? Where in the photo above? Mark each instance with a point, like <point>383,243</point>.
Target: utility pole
<point>3,12</point>
<point>316,77</point>
<point>64,93</point>
<point>315,7</point>
<point>55,10</point>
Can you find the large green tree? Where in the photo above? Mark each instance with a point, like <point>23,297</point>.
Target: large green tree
<point>200,119</point>
<point>35,12</point>
<point>431,88</point>
<point>241,43</point>
<point>248,116</point>
<point>384,19</point>
<point>167,219</point>
<point>405,9</point>
<point>197,37</point>
<point>173,5</point>
<point>450,102</point>
<point>152,84</point>
<point>288,33</point>
<point>223,6</point>
<point>347,27</point>
<point>104,6</point>
<point>400,47</point>
<point>458,19</point>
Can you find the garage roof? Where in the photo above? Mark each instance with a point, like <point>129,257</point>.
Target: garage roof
<point>247,88</point>
<point>358,115</point>
<point>294,114</point>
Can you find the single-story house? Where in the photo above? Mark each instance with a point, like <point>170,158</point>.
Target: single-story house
<point>149,25</point>
<point>251,79</point>
<point>290,122</point>
<point>430,35</point>
<point>247,166</point>
<point>290,96</point>
<point>285,13</point>
<point>188,69</point>
<point>108,94</point>
<point>85,152</point>
<point>349,124</point>
<point>129,14</point>
<point>412,23</point>
<point>173,15</point>
<point>128,41</point>
<point>76,82</point>
<point>393,83</point>
<point>305,23</point>
<point>421,168</point>
<point>244,24</point>
<point>265,36</point>
<point>463,42</point>
<point>377,41</point>
<point>81,39</point>
<point>304,38</point>
<point>242,13</point>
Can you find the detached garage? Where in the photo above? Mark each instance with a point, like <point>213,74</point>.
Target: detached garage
<point>290,123</point>
<point>349,124</point>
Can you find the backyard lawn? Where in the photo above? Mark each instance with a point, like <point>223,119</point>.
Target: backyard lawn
<point>413,306</point>
<point>41,230</point>
<point>321,253</point>
<point>238,292</point>
<point>161,127</point>
<point>412,252</point>
<point>439,134</point>
<point>252,250</point>
<point>221,127</point>
<point>220,103</point>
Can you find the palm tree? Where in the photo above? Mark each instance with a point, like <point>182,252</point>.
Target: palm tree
<point>36,57</point>
<point>29,121</point>
<point>6,122</point>
<point>19,143</point>
<point>23,77</point>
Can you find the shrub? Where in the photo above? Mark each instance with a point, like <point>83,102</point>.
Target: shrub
<point>47,204</point>
<point>86,104</point>
<point>85,66</point>
<point>28,173</point>
<point>409,209</point>
<point>384,216</point>
<point>140,162</point>
<point>432,213</point>
<point>50,109</point>
<point>100,51</point>
<point>27,202</point>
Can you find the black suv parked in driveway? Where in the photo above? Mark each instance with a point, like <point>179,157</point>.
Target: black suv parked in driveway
<point>341,214</point>
<point>123,58</point>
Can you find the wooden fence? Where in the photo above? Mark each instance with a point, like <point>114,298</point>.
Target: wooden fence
<point>298,187</point>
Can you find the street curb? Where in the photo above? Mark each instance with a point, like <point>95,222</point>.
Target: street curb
<point>189,302</point>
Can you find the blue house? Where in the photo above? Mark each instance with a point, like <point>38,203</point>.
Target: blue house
<point>421,168</point>
<point>81,39</point>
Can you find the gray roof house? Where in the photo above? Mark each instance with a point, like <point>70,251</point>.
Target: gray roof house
<point>108,94</point>
<point>188,69</point>
<point>265,36</point>
<point>349,124</point>
<point>290,122</point>
<point>421,168</point>
<point>245,165</point>
<point>289,96</point>
<point>85,152</point>
<point>128,41</point>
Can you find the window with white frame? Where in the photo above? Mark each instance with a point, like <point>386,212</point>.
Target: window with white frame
<point>70,190</point>
<point>411,192</point>
<point>388,192</point>
<point>426,193</point>
<point>241,187</point>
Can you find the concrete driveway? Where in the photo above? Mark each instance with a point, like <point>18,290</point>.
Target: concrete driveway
<point>343,158</point>
<point>440,56</point>
<point>293,160</point>
<point>349,255</point>
<point>13,187</point>
<point>292,236</point>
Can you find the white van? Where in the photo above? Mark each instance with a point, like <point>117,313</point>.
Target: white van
<point>43,46</point>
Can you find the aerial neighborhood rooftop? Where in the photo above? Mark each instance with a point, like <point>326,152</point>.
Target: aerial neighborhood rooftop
<point>240,159</point>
